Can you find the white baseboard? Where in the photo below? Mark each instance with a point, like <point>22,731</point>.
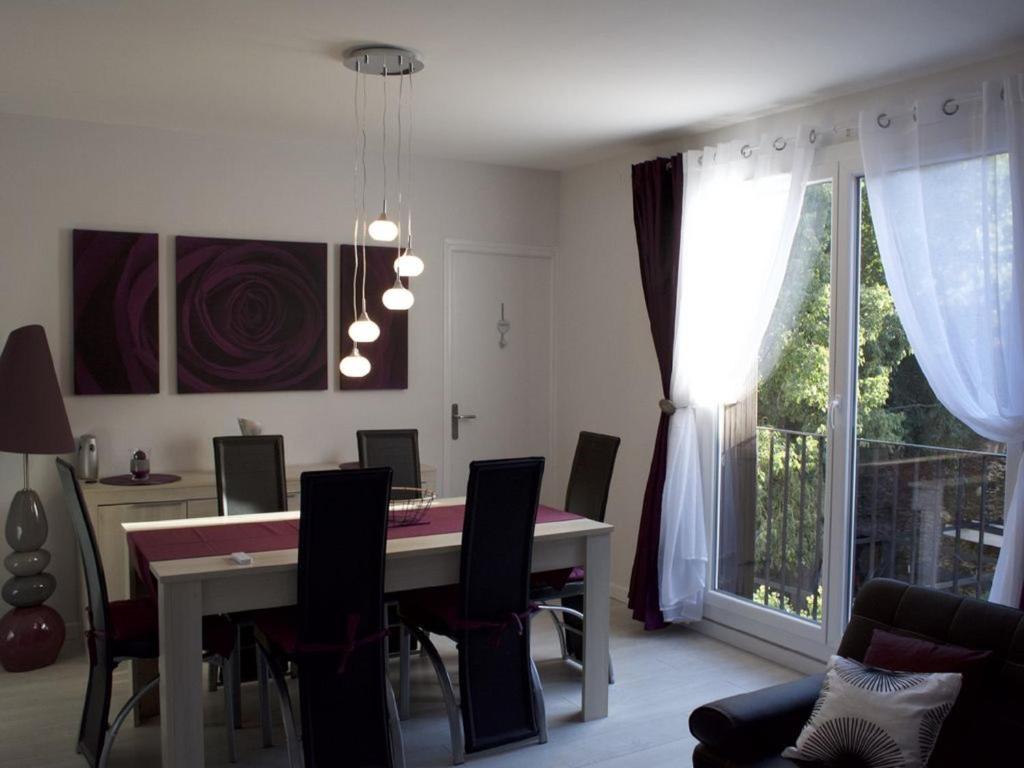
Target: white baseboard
<point>74,641</point>
<point>760,647</point>
<point>620,593</point>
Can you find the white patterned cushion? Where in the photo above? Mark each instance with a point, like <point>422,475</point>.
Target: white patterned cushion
<point>875,718</point>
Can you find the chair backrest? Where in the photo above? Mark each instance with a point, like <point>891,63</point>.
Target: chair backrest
<point>998,710</point>
<point>93,727</point>
<point>591,475</point>
<point>497,548</point>
<point>250,474</point>
<point>342,541</point>
<point>395,448</point>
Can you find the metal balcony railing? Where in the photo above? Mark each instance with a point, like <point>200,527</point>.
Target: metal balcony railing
<point>923,514</point>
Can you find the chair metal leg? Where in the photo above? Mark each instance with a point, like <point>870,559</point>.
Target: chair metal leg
<point>538,704</point>
<point>264,694</point>
<point>230,712</point>
<point>211,678</point>
<point>566,628</point>
<point>235,662</point>
<point>448,692</point>
<point>291,735</point>
<point>403,672</point>
<point>108,741</point>
<point>559,630</point>
<point>395,731</point>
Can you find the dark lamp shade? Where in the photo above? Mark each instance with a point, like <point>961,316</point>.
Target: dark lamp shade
<point>32,415</point>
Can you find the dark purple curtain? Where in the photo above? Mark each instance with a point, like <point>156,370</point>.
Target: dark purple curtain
<point>658,216</point>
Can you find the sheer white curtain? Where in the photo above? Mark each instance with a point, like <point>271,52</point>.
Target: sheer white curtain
<point>740,212</point>
<point>945,193</point>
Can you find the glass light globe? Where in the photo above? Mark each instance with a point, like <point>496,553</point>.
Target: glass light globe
<point>355,366</point>
<point>409,264</point>
<point>364,330</point>
<point>382,229</point>
<point>397,296</point>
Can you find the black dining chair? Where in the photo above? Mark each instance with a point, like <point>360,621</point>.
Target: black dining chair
<point>123,630</point>
<point>250,472</point>
<point>335,634</point>
<point>586,495</point>
<point>395,448</point>
<point>488,612</point>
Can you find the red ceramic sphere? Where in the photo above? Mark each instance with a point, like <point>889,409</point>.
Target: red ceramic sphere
<point>30,638</point>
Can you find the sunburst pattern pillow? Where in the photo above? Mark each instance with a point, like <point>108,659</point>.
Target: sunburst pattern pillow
<point>875,718</point>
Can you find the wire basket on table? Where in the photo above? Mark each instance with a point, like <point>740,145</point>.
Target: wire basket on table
<point>410,506</point>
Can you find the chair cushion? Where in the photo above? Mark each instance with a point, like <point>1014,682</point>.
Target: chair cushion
<point>435,610</point>
<point>277,629</point>
<point>135,630</point>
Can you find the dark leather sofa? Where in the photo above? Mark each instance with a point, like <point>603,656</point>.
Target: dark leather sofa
<point>752,729</point>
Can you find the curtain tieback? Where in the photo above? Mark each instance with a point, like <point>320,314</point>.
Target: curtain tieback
<point>668,407</point>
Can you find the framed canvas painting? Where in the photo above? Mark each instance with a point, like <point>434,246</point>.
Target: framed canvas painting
<point>252,315</point>
<point>115,280</point>
<point>389,354</point>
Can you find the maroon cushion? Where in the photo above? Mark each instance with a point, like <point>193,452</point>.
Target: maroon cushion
<point>133,621</point>
<point>901,653</point>
<point>279,628</point>
<point>435,609</point>
<point>135,630</point>
<point>556,579</point>
<point>911,654</point>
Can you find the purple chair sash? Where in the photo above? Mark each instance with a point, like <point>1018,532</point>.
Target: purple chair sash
<point>345,649</point>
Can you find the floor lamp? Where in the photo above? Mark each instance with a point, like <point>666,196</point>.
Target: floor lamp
<point>32,420</point>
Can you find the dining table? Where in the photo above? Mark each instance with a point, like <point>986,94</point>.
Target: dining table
<point>187,565</point>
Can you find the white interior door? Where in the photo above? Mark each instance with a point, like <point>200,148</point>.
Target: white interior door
<point>498,393</point>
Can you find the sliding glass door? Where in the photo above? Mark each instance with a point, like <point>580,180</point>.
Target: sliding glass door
<point>929,492</point>
<point>842,465</point>
<point>774,444</point>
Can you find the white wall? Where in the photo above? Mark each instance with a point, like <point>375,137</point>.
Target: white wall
<point>605,366</point>
<point>59,175</point>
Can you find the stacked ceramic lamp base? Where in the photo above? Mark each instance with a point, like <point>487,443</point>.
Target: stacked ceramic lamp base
<point>31,634</point>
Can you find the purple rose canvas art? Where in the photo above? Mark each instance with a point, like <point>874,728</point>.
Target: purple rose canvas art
<point>389,354</point>
<point>115,277</point>
<point>252,315</point>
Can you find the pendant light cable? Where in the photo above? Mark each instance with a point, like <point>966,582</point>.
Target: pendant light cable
<point>362,208</point>
<point>355,195</point>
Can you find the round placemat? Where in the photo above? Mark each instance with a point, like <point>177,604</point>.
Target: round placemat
<point>153,479</point>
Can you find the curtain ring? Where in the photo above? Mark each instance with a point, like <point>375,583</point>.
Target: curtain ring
<point>779,144</point>
<point>883,120</point>
<point>667,406</point>
<point>950,107</point>
<point>812,136</point>
<point>746,151</point>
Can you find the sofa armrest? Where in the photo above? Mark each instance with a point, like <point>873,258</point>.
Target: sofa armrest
<point>758,723</point>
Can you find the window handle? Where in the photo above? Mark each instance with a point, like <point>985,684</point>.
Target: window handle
<point>833,412</point>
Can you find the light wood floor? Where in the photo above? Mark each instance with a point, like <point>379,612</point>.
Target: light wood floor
<point>660,678</point>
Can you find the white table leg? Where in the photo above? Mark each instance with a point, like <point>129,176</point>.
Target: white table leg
<point>181,695</point>
<point>596,618</point>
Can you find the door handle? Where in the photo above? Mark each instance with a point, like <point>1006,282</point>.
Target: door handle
<point>457,417</point>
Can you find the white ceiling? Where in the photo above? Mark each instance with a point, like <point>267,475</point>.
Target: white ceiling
<point>540,83</point>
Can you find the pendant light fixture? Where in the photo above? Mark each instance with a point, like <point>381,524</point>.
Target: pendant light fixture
<point>386,62</point>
